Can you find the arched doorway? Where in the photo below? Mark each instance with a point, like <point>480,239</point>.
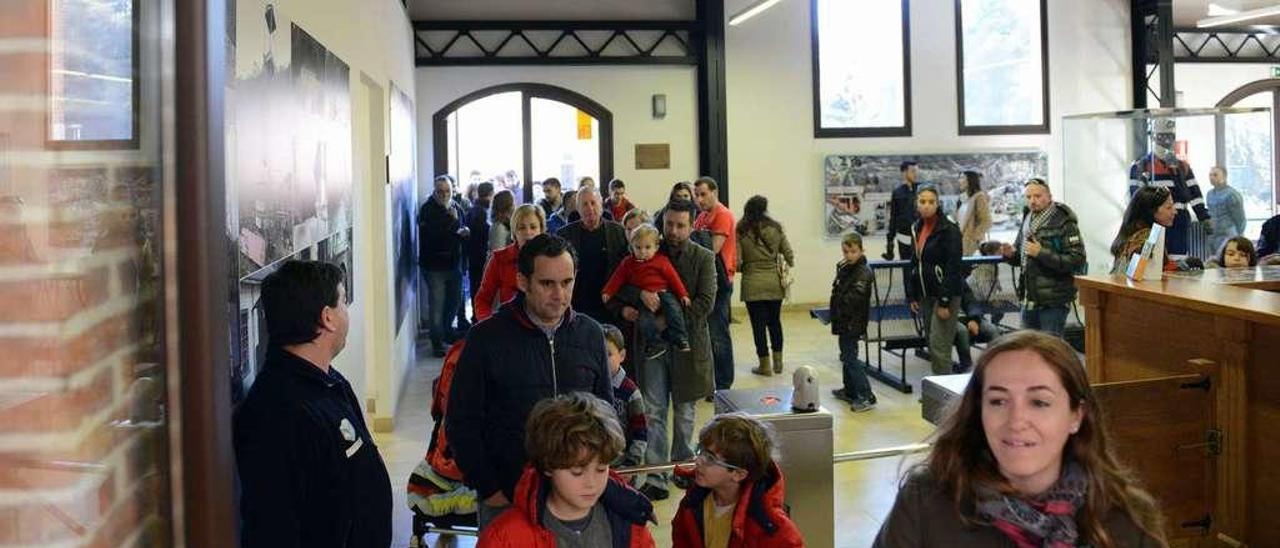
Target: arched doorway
<point>1254,177</point>
<point>520,134</point>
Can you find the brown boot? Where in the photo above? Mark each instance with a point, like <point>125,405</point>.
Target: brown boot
<point>765,368</point>
<point>777,363</point>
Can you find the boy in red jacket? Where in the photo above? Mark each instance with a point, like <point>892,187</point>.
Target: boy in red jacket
<point>649,270</point>
<point>736,500</point>
<point>567,495</point>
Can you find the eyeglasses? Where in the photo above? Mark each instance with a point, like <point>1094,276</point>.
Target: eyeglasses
<point>707,457</point>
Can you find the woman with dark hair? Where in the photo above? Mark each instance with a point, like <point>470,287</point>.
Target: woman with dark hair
<point>1023,460</point>
<point>762,250</point>
<point>504,203</point>
<point>974,214</point>
<point>935,281</point>
<point>1150,205</point>
<point>682,190</point>
<point>1237,252</point>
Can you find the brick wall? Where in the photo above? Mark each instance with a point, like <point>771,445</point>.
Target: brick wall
<point>79,322</point>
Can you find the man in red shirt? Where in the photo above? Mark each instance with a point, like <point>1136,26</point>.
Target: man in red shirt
<point>618,205</point>
<point>719,222</point>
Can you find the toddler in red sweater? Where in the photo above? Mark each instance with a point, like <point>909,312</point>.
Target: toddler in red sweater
<point>649,270</point>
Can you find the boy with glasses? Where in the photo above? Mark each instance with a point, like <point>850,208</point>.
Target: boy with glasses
<point>738,491</point>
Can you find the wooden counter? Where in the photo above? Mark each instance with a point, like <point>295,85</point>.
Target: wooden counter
<point>1223,323</point>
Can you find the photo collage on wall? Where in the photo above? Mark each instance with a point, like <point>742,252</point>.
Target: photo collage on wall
<point>857,188</point>
<point>288,165</point>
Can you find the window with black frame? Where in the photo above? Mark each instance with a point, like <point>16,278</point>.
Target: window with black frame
<point>861,68</point>
<point>93,65</point>
<point>1002,60</point>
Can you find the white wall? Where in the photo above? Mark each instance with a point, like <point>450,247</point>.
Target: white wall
<point>374,38</point>
<point>771,146</point>
<point>1202,85</point>
<point>625,91</point>
<point>772,150</point>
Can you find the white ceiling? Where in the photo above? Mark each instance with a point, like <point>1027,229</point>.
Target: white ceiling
<point>551,10</point>
<point>1187,12</point>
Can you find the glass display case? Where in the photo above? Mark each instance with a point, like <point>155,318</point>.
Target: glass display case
<point>1108,156</point>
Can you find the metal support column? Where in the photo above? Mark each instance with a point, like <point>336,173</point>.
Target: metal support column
<point>713,144</point>
<point>1152,35</point>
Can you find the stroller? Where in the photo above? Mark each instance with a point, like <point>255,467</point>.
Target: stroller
<point>436,494</point>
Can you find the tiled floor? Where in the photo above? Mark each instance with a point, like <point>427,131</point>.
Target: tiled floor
<point>864,491</point>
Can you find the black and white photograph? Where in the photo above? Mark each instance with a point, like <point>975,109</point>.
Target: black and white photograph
<point>289,202</point>
<point>857,188</point>
<point>404,199</point>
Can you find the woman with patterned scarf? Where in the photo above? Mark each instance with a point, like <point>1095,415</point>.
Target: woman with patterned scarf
<point>1024,461</point>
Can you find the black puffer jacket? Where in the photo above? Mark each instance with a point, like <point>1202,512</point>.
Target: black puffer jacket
<point>439,246</point>
<point>851,298</point>
<point>1049,278</point>
<point>507,366</point>
<point>938,271</point>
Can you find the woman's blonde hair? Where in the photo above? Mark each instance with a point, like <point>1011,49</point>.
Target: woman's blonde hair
<point>529,210</point>
<point>643,231</point>
<point>636,213</point>
<point>961,461</point>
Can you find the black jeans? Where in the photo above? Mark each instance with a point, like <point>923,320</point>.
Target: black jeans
<point>675,333</point>
<point>766,315</point>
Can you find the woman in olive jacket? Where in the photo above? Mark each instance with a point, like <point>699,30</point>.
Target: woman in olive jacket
<point>761,245</point>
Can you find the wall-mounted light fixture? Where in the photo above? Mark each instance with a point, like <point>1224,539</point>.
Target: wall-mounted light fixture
<point>751,11</point>
<point>659,106</point>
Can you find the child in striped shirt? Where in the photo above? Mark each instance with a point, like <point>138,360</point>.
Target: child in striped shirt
<point>627,400</point>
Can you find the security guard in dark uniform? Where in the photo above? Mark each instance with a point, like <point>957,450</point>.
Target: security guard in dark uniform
<point>310,473</point>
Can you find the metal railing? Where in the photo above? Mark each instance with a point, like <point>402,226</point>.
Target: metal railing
<point>838,458</point>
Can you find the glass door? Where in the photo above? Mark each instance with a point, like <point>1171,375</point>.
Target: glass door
<point>565,144</point>
<point>486,143</point>
<point>518,135</point>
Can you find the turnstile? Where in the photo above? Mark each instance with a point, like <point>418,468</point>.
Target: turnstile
<point>805,447</point>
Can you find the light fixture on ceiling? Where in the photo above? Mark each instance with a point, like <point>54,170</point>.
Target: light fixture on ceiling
<point>751,11</point>
<point>1231,19</point>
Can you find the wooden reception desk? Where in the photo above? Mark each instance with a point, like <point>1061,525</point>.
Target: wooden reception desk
<point>1224,324</point>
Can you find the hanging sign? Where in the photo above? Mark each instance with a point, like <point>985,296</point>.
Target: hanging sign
<point>584,126</point>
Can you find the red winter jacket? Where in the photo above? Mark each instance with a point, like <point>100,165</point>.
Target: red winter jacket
<point>499,280</point>
<point>759,521</point>
<point>521,525</point>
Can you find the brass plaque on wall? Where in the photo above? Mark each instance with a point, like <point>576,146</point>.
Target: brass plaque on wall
<point>655,156</point>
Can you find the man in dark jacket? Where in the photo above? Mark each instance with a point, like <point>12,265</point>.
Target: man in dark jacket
<point>600,245</point>
<point>681,378</point>
<point>934,282</point>
<point>477,245</point>
<point>1050,251</point>
<point>310,474</point>
<point>440,237</point>
<point>850,308</point>
<point>1269,240</point>
<point>551,201</point>
<point>902,213</point>
<point>535,347</point>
